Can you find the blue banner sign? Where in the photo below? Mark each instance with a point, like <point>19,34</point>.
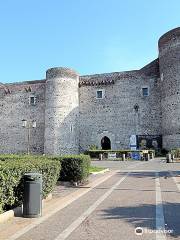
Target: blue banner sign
<point>136,155</point>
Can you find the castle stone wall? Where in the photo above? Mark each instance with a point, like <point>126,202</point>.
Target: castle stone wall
<point>115,116</point>
<point>14,107</point>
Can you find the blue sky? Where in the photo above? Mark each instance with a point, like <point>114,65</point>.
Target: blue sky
<point>91,36</point>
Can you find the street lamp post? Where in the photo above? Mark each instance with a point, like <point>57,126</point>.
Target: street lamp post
<point>28,125</point>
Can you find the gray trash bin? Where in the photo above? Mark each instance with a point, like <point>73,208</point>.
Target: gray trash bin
<point>32,198</point>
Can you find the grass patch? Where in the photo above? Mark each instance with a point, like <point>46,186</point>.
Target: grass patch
<point>95,169</point>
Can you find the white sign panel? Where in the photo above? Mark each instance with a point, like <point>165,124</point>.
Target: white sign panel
<point>111,155</point>
<point>133,148</point>
<point>133,142</point>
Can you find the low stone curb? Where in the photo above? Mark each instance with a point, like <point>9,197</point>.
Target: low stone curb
<point>4,217</point>
<point>100,172</point>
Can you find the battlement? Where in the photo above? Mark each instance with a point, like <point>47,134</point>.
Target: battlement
<point>106,78</point>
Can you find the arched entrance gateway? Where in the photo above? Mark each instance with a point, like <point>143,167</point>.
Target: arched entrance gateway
<point>105,143</point>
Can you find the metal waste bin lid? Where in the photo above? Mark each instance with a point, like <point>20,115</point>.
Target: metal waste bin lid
<point>33,176</point>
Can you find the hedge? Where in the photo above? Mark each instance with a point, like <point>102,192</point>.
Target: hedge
<point>11,178</point>
<point>5,157</point>
<point>175,152</point>
<point>74,168</point>
<point>95,153</point>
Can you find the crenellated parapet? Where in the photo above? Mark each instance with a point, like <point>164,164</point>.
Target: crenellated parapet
<point>106,78</point>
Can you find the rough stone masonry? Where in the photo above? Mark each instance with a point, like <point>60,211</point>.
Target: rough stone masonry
<point>73,112</point>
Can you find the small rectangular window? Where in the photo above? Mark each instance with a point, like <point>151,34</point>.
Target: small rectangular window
<point>32,100</point>
<point>100,94</point>
<point>145,91</point>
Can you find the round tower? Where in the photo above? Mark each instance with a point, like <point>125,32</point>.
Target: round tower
<point>61,112</point>
<point>169,64</point>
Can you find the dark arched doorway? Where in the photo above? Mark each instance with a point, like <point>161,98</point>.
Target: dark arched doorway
<point>105,143</point>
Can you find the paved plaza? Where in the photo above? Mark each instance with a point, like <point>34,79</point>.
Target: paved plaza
<point>134,200</point>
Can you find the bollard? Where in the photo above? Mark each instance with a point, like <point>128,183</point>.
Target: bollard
<point>146,156</point>
<point>123,157</point>
<point>168,158</point>
<point>100,157</point>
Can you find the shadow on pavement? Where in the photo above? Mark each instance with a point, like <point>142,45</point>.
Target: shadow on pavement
<point>150,174</point>
<point>144,216</point>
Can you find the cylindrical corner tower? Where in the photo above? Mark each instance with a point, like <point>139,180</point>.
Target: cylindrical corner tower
<point>61,112</point>
<point>169,63</point>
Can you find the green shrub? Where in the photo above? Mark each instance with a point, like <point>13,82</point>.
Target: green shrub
<point>5,157</point>
<point>74,167</point>
<point>175,152</point>
<point>11,177</point>
<point>12,168</point>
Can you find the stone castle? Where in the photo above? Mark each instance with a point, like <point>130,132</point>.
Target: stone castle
<point>66,113</point>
